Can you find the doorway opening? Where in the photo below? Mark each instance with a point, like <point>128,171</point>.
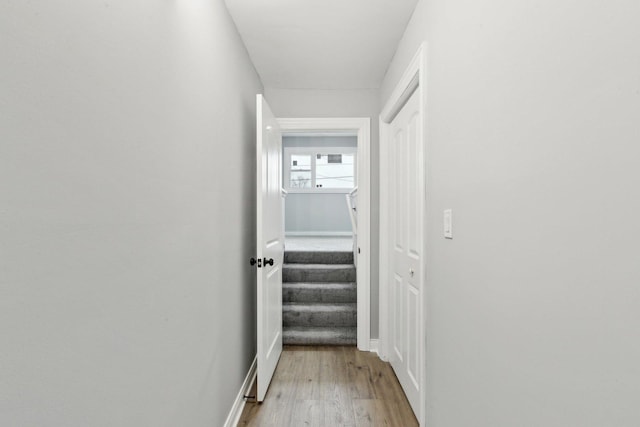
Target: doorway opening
<point>319,289</point>
<point>326,219</point>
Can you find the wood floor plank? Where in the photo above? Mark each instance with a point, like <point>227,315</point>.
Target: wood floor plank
<point>285,389</point>
<point>308,382</point>
<point>397,412</point>
<point>335,389</point>
<point>359,375</point>
<point>331,386</point>
<point>339,413</point>
<point>383,380</point>
<point>308,413</point>
<point>366,413</point>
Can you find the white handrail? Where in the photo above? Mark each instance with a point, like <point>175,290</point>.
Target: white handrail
<point>352,205</point>
<point>352,199</point>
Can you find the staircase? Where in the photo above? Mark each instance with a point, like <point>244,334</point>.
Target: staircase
<point>319,298</point>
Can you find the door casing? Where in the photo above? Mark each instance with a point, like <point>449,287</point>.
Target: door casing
<point>362,127</point>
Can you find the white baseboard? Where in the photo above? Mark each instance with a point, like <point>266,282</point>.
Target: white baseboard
<point>318,234</point>
<point>373,346</point>
<point>236,410</point>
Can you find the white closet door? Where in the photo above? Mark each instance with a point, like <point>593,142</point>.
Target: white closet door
<point>406,241</point>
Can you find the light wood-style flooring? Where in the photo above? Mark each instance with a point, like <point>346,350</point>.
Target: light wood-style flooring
<point>331,386</point>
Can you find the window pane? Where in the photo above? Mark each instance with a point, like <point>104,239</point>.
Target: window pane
<point>300,168</point>
<point>335,170</point>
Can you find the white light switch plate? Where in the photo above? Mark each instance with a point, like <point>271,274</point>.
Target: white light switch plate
<point>448,224</point>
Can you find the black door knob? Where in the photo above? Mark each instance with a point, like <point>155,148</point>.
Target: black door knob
<point>252,261</point>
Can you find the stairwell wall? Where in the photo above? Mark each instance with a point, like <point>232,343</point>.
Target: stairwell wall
<point>127,188</point>
<point>317,212</point>
<point>533,308</point>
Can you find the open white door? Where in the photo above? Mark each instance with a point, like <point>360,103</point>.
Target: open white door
<point>270,244</point>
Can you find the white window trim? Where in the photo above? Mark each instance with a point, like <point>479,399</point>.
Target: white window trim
<point>312,151</point>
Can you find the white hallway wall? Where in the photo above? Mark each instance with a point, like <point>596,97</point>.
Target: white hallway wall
<point>533,130</point>
<point>125,295</point>
<point>341,103</point>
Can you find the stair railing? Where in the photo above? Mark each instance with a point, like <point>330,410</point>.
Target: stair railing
<point>352,205</point>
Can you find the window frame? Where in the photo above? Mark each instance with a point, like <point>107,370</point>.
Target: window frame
<point>312,152</point>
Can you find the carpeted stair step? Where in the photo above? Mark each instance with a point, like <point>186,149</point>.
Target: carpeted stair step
<point>319,292</point>
<point>320,315</point>
<point>319,336</point>
<point>318,257</point>
<point>318,273</point>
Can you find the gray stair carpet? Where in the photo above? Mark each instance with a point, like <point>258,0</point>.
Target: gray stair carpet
<point>319,292</point>
<point>326,273</point>
<point>323,314</point>
<point>319,298</point>
<point>318,257</point>
<point>319,336</point>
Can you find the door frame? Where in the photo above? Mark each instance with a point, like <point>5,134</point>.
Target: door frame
<point>362,127</point>
<point>413,80</point>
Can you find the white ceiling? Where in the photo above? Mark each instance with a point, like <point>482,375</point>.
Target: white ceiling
<point>321,44</point>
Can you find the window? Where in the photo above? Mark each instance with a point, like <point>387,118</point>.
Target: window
<point>313,169</point>
<point>335,170</point>
<point>300,167</point>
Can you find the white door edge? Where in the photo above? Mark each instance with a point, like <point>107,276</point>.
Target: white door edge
<point>362,127</point>
<point>269,245</point>
<point>413,79</point>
